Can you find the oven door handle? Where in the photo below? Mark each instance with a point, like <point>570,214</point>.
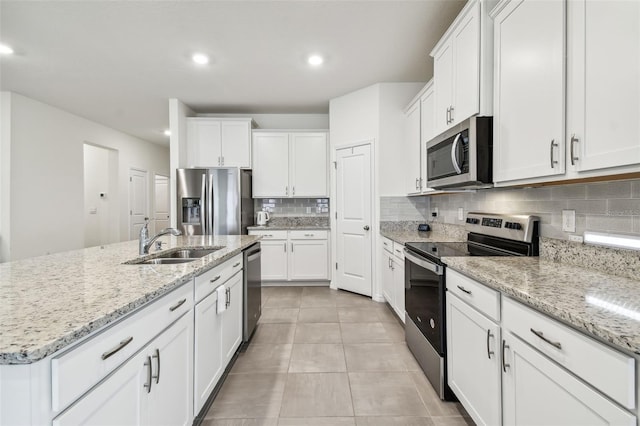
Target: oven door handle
<point>437,269</point>
<point>454,157</point>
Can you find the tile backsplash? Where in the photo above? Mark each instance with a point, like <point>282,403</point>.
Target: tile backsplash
<point>293,206</point>
<point>393,209</point>
<point>604,206</point>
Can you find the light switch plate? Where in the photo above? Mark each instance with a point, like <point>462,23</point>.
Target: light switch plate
<point>460,213</point>
<point>569,220</point>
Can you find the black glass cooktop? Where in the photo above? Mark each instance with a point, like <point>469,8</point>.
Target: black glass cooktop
<point>438,250</point>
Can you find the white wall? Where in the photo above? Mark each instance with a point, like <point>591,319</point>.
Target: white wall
<point>283,121</point>
<point>46,176</point>
<point>178,113</point>
<point>5,173</point>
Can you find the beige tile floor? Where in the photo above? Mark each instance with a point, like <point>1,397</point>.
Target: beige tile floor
<point>324,357</point>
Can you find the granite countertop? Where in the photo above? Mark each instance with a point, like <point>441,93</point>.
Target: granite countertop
<point>50,302</point>
<point>404,237</point>
<point>597,303</point>
<point>287,227</point>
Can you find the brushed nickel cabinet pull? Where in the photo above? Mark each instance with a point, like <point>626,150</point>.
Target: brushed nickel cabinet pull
<point>177,305</point>
<point>573,156</point>
<point>236,265</point>
<point>121,345</point>
<point>157,376</point>
<point>464,289</point>
<point>149,373</point>
<point>553,145</point>
<point>504,348</point>
<point>540,334</point>
<point>213,280</point>
<point>489,351</point>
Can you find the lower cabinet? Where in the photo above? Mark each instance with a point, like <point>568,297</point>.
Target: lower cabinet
<point>232,319</point>
<point>151,388</point>
<point>536,391</point>
<point>296,255</point>
<point>392,275</point>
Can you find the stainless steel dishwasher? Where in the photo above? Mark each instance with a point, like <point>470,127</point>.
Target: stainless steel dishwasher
<point>252,291</point>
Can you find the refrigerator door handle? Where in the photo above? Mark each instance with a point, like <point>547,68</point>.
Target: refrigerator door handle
<point>210,206</point>
<point>202,203</point>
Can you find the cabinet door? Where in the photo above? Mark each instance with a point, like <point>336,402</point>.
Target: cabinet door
<point>387,278</point>
<point>120,400</point>
<point>427,132</point>
<point>309,164</point>
<point>412,149</point>
<point>208,365</point>
<point>474,361</point>
<point>270,165</point>
<point>443,85</point>
<point>398,287</point>
<point>466,66</point>
<point>232,319</point>
<point>171,397</point>
<point>539,392</point>
<point>274,260</point>
<point>203,143</point>
<point>529,90</point>
<point>236,144</point>
<point>309,260</point>
<point>604,100</point>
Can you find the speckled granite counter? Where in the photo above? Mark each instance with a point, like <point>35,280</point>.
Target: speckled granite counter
<point>49,302</point>
<point>403,237</point>
<point>603,305</point>
<point>288,227</point>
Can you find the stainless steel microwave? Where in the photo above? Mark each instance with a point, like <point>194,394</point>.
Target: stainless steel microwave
<point>462,157</point>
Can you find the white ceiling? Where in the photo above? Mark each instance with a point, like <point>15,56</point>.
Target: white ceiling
<point>118,62</point>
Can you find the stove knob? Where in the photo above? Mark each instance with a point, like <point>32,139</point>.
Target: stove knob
<point>508,225</point>
<point>516,226</point>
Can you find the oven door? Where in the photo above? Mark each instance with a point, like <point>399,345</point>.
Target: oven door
<point>424,297</point>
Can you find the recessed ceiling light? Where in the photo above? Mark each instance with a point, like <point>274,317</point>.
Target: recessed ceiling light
<point>167,132</point>
<point>315,60</point>
<point>200,58</point>
<point>5,50</point>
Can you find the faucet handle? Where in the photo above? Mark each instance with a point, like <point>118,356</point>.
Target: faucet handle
<point>159,245</point>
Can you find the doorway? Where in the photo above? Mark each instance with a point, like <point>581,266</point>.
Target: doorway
<point>354,193</point>
<point>161,197</point>
<point>100,195</point>
<point>138,205</point>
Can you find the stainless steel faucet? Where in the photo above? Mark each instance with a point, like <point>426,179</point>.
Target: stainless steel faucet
<point>146,242</point>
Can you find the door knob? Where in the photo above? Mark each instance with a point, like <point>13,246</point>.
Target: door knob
<point>366,227</point>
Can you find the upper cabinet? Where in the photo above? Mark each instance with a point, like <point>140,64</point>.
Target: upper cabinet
<point>290,164</point>
<point>463,68</point>
<point>603,129</point>
<point>529,90</point>
<point>216,142</point>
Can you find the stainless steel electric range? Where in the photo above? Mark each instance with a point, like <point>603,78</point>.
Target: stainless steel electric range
<point>425,326</point>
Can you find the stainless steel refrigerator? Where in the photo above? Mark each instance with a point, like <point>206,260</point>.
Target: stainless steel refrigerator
<point>214,201</point>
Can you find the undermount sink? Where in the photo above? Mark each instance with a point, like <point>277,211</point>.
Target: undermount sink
<point>175,256</point>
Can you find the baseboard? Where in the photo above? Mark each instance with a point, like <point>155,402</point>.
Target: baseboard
<point>295,283</point>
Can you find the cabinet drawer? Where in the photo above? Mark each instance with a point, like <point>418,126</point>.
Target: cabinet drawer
<point>608,370</point>
<point>308,235</point>
<point>479,296</point>
<point>208,281</point>
<point>398,251</point>
<point>387,244</point>
<point>270,235</point>
<point>75,371</point>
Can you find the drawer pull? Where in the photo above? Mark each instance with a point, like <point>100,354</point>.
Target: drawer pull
<point>504,347</point>
<point>464,289</point>
<point>157,376</point>
<point>121,345</point>
<point>149,374</point>
<point>236,265</point>
<point>309,235</point>
<point>489,351</point>
<point>541,335</point>
<point>177,305</point>
<point>213,280</point>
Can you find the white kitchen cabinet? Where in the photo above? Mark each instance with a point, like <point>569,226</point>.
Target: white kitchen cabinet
<point>413,170</point>
<point>461,62</point>
<point>232,319</point>
<point>536,391</point>
<point>473,361</point>
<point>392,274</point>
<point>151,388</point>
<point>297,255</point>
<point>387,277</point>
<point>603,129</point>
<point>397,267</point>
<point>529,89</point>
<point>290,164</point>
<point>214,142</point>
<point>208,366</point>
<point>427,131</point>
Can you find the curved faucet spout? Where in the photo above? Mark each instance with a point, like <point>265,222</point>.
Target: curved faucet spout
<point>146,242</point>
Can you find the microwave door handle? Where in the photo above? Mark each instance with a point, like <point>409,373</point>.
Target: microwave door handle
<point>203,204</point>
<point>454,159</point>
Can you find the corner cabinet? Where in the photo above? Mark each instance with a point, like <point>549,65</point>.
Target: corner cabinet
<point>462,67</point>
<point>292,164</point>
<point>219,142</point>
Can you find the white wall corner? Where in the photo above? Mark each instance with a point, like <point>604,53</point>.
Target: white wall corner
<point>5,176</point>
<point>178,113</point>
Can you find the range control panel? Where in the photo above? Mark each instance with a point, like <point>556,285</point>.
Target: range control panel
<point>511,226</point>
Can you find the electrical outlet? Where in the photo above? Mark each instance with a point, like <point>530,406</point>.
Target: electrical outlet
<point>569,220</point>
<point>460,213</point>
<point>435,212</point>
<point>576,238</point>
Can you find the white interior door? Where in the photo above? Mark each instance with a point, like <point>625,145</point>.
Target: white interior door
<point>354,219</point>
<point>161,213</point>
<point>137,201</point>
